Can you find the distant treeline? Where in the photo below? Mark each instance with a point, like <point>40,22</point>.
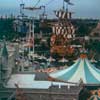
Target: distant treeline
<point>83,27</point>
<point>6,29</point>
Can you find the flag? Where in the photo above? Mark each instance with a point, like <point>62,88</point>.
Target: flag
<point>68,1</point>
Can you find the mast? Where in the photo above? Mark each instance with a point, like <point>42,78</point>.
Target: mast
<point>21,9</point>
<point>63,5</point>
<point>43,16</point>
<point>29,37</point>
<point>33,37</point>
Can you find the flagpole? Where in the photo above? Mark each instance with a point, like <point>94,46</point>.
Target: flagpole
<point>63,5</point>
<point>33,36</point>
<point>29,36</point>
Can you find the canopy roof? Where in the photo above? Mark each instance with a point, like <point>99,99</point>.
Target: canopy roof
<point>28,81</point>
<point>81,71</point>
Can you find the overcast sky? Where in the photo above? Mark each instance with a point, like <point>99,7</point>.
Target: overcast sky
<point>82,8</point>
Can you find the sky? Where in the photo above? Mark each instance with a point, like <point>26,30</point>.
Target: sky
<point>81,8</point>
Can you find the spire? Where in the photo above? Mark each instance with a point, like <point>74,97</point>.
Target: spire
<point>83,56</point>
<point>4,65</point>
<point>4,51</point>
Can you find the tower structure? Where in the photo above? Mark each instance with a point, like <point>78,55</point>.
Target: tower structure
<point>31,29</point>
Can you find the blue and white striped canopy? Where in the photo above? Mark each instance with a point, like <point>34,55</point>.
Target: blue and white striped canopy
<point>82,70</point>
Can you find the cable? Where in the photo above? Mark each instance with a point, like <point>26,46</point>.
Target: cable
<point>50,1</point>
<point>37,3</point>
<point>21,1</point>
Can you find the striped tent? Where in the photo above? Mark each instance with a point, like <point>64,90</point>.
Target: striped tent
<point>81,71</point>
<point>66,30</point>
<point>63,15</point>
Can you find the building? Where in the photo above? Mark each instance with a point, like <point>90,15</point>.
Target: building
<point>82,71</point>
<point>24,84</point>
<point>65,84</point>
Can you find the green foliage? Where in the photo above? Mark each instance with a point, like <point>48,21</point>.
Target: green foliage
<point>6,29</point>
<point>83,27</point>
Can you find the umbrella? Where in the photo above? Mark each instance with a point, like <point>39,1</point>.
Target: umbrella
<point>63,60</point>
<point>93,61</point>
<point>42,57</point>
<point>50,59</point>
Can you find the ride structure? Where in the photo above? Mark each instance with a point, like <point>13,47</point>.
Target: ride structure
<point>63,32</point>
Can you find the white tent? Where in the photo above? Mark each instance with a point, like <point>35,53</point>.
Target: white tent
<point>50,59</point>
<point>63,60</point>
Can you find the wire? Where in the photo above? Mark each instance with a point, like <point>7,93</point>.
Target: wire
<point>50,1</point>
<point>37,3</point>
<point>21,1</point>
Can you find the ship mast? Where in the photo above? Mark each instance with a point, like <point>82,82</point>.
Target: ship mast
<point>64,17</point>
<point>63,31</point>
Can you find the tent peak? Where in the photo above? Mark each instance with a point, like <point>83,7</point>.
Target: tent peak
<point>83,56</point>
